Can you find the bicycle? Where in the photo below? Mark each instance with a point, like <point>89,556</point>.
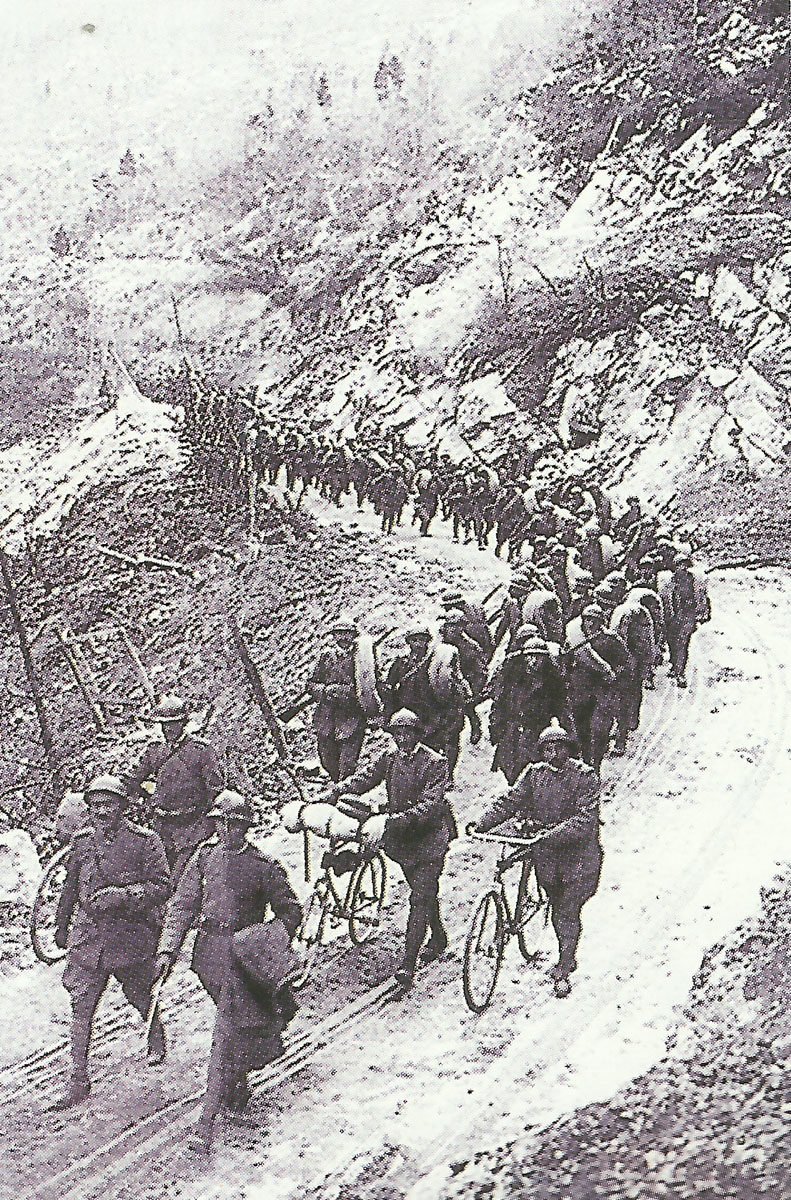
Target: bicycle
<point>495,921</point>
<point>45,905</point>
<point>359,904</point>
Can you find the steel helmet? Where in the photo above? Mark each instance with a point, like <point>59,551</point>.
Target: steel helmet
<point>554,733</point>
<point>535,645</point>
<point>232,806</point>
<point>404,719</point>
<point>593,612</point>
<point>111,784</point>
<point>451,599</point>
<point>344,623</point>
<point>418,631</point>
<point>170,708</point>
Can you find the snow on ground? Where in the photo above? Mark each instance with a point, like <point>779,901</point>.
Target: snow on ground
<point>41,483</point>
<point>696,821</point>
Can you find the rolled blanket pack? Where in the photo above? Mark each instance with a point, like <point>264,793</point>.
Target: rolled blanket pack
<point>322,819</point>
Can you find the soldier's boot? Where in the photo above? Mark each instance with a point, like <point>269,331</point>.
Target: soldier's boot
<point>438,941</point>
<point>201,1140</point>
<point>77,1092</point>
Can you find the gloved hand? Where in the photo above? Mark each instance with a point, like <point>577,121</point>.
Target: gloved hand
<point>108,898</point>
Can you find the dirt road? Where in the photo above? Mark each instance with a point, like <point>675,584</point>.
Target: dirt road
<point>378,1100</point>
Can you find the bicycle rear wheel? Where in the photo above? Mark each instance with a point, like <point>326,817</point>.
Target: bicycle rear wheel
<point>310,935</point>
<point>45,905</point>
<point>483,953</point>
<point>531,911</point>
<point>366,897</point>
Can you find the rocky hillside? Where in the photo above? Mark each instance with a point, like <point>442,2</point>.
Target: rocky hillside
<point>710,1120</point>
<point>593,248</point>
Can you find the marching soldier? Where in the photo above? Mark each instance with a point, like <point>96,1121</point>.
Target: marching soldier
<point>593,685</point>
<point>339,718</point>
<point>109,916</point>
<point>560,794</point>
<point>682,608</point>
<point>415,831</point>
<point>227,887</point>
<point>187,777</point>
<point>473,664</point>
<point>475,623</point>
<point>408,684</point>
<point>527,691</point>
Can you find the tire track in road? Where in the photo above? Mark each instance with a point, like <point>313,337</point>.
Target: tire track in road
<point>653,750</point>
<point>412,1171</point>
<point>127,1157</point>
<point>134,1147</point>
<point>502,1077</point>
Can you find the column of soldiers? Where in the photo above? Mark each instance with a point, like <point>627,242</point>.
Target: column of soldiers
<point>564,657</point>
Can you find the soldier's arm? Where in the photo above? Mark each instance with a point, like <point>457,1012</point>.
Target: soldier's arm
<point>508,805</point>
<point>184,907</point>
<point>68,898</point>
<point>432,805</point>
<point>212,772</point>
<point>390,688</point>
<point>315,685</point>
<point>282,899</point>
<point>146,769</point>
<point>366,778</point>
<point>588,657</point>
<point>153,890</point>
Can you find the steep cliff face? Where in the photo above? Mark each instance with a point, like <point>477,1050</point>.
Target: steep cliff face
<point>634,303</point>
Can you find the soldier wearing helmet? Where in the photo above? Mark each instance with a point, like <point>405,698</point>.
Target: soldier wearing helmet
<point>559,793</point>
<point>418,827</point>
<point>408,684</point>
<point>339,718</point>
<point>227,886</point>
<point>108,916</point>
<point>595,670</point>
<point>472,661</point>
<point>527,691</point>
<point>186,776</point>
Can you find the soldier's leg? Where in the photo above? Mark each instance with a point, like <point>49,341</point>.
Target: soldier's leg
<point>136,983</point>
<point>328,749</point>
<point>349,753</point>
<point>218,1086</point>
<point>566,920</point>
<point>684,637</point>
<point>423,881</point>
<point>476,729</point>
<point>601,723</point>
<point>85,988</point>
<point>623,717</point>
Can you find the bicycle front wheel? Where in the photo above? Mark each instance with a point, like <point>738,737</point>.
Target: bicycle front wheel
<point>531,911</point>
<point>45,905</point>
<point>310,935</point>
<point>483,953</point>
<point>367,895</point>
